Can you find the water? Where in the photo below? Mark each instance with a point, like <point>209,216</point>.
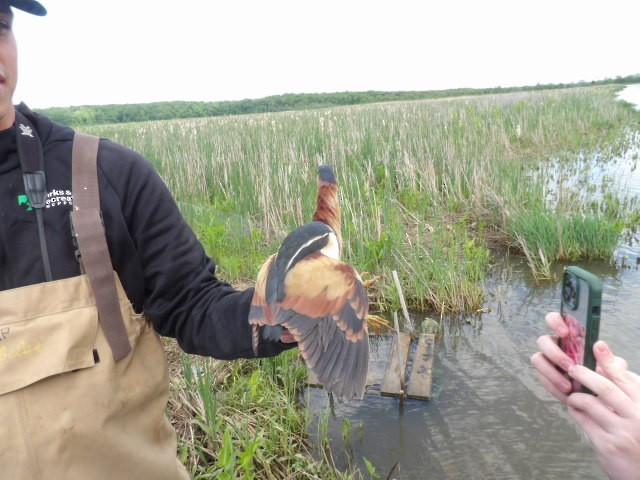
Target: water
<point>589,178</point>
<point>489,418</point>
<point>631,94</point>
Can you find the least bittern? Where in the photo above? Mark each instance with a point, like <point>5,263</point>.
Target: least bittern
<point>319,299</point>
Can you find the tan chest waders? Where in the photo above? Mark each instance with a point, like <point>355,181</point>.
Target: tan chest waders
<point>83,378</point>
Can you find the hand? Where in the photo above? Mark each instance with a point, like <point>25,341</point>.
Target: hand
<point>286,336</point>
<point>610,417</point>
<point>273,333</point>
<point>550,357</point>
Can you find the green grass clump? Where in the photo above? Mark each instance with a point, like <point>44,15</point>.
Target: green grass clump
<point>242,420</point>
<point>546,238</point>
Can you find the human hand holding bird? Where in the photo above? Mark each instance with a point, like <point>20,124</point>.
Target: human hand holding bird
<point>305,293</point>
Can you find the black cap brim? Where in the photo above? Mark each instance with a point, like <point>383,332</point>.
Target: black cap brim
<point>29,6</point>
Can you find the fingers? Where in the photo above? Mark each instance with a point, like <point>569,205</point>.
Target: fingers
<point>550,357</point>
<point>613,381</point>
<point>557,324</point>
<point>607,403</point>
<point>610,418</point>
<point>549,348</point>
<point>615,368</point>
<point>551,378</point>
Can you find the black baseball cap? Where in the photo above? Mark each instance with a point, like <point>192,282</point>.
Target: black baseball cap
<point>29,6</point>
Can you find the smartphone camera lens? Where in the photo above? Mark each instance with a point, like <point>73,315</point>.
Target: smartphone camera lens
<point>570,291</point>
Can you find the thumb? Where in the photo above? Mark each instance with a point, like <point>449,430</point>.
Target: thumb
<point>617,371</point>
<point>612,367</point>
<point>602,352</point>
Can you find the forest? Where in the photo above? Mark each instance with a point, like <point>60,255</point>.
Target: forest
<point>126,113</point>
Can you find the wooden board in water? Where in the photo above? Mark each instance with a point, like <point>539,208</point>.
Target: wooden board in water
<point>391,382</point>
<point>420,381</point>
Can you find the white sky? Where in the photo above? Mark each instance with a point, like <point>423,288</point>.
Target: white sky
<point>88,52</point>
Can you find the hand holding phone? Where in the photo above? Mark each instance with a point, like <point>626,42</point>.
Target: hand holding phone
<point>580,308</point>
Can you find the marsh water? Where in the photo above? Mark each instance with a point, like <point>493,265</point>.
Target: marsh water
<point>488,417</point>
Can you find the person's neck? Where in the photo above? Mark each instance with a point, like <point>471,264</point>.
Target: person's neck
<point>8,120</point>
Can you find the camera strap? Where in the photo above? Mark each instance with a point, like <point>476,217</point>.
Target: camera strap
<point>35,180</point>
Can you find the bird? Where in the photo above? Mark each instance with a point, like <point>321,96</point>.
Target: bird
<point>320,300</point>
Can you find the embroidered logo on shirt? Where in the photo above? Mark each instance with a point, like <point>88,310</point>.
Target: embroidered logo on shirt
<point>25,130</point>
<point>55,198</point>
<point>24,200</point>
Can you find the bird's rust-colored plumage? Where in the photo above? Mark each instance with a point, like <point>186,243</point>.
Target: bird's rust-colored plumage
<point>327,207</point>
<point>319,299</point>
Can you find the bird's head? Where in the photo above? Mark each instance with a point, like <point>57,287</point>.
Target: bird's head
<point>326,175</point>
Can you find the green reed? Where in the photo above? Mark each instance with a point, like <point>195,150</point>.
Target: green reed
<point>241,420</point>
<point>411,174</point>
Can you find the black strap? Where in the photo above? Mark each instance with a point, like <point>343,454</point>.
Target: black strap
<point>35,180</point>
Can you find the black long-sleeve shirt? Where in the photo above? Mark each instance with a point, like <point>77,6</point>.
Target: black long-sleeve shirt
<point>161,264</point>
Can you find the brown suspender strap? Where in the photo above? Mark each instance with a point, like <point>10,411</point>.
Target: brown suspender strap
<point>89,231</point>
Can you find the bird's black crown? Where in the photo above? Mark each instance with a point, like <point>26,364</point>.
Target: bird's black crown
<point>325,173</point>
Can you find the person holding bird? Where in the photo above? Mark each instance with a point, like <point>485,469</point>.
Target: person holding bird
<point>96,262</point>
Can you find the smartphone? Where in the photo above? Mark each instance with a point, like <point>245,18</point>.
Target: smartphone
<point>580,308</point>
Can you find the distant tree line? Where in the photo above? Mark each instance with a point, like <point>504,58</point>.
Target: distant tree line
<point>105,114</point>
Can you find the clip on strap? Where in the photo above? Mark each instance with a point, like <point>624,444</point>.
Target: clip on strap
<point>35,185</point>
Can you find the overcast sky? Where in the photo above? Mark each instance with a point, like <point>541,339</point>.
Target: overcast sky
<point>133,51</point>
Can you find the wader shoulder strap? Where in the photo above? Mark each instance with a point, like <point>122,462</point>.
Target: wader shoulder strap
<point>92,243</point>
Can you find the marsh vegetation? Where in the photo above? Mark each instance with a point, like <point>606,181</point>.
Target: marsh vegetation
<point>428,188</point>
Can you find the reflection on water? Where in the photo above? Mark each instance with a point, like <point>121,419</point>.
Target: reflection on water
<point>489,418</point>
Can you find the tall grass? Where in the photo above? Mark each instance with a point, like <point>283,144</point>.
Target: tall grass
<point>419,181</point>
<point>241,420</point>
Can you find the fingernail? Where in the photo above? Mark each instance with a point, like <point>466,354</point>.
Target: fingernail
<point>571,370</point>
<point>566,386</point>
<point>603,348</point>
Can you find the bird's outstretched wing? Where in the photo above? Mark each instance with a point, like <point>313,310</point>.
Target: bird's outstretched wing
<point>325,307</point>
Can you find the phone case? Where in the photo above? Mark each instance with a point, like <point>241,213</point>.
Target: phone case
<point>580,307</point>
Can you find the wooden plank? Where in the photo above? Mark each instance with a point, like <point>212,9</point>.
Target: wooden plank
<point>420,381</point>
<point>391,380</point>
